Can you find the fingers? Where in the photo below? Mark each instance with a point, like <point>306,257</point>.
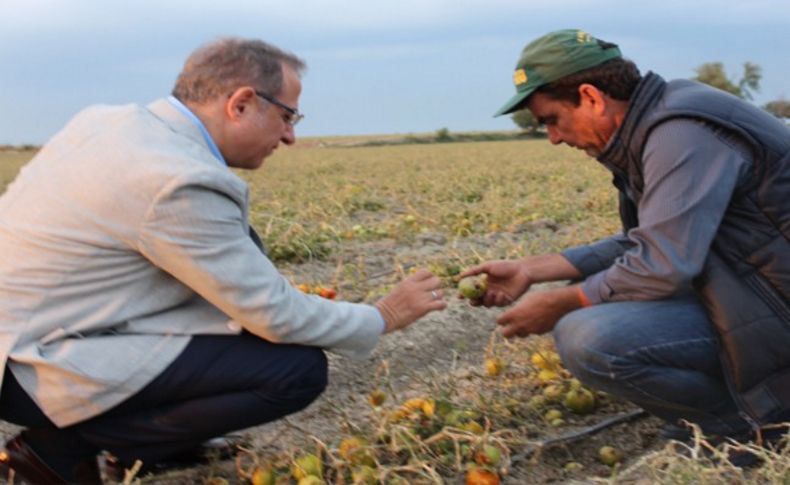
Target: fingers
<point>494,269</point>
<point>436,305</point>
<point>424,290</point>
<point>431,289</point>
<point>430,301</point>
<point>420,275</point>
<point>506,318</point>
<point>411,299</point>
<point>475,302</point>
<point>509,331</point>
<point>435,294</point>
<point>492,297</point>
<point>511,324</point>
<point>423,279</point>
<point>474,270</point>
<point>501,299</point>
<point>514,330</point>
<point>424,300</point>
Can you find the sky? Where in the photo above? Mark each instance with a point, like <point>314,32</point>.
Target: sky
<point>374,66</point>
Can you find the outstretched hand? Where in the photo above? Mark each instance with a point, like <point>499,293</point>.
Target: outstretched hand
<point>411,299</point>
<point>507,281</point>
<point>538,312</point>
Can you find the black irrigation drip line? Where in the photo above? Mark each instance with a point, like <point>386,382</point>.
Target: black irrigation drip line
<point>578,435</point>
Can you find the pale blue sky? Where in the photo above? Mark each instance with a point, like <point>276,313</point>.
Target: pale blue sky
<point>374,67</point>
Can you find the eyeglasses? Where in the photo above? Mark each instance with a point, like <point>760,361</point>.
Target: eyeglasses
<point>292,116</point>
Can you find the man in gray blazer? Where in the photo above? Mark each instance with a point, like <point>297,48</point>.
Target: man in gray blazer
<point>137,315</point>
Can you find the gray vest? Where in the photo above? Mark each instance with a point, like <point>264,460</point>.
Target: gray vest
<point>745,285</point>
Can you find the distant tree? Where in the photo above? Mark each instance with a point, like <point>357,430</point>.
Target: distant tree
<point>750,82</point>
<point>443,135</point>
<point>779,108</point>
<point>524,120</point>
<point>712,73</point>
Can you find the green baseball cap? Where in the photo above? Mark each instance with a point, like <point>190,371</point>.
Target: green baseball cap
<point>553,56</point>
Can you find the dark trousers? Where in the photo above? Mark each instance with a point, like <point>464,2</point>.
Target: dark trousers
<point>218,384</point>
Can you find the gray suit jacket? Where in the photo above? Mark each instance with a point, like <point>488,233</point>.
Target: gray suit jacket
<point>119,240</point>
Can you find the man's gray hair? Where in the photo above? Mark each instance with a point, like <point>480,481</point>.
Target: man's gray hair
<point>220,67</point>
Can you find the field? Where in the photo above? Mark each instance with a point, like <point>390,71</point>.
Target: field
<point>455,394</point>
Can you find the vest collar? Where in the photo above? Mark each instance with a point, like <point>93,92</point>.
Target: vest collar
<point>617,152</point>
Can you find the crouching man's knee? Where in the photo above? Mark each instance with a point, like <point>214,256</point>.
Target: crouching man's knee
<point>310,377</point>
<point>582,346</point>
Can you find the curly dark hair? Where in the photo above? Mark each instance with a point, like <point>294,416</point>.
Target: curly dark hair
<point>616,77</point>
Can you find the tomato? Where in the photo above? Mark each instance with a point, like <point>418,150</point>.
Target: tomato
<point>327,293</point>
<point>480,476</point>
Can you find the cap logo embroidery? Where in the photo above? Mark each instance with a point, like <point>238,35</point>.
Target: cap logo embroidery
<point>519,77</point>
<point>583,37</point>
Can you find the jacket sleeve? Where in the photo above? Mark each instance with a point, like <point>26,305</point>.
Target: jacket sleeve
<point>591,258</point>
<point>690,173</point>
<point>196,230</point>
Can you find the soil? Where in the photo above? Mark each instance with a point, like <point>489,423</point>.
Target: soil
<point>445,344</point>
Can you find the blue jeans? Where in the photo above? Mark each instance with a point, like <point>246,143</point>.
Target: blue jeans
<point>661,355</point>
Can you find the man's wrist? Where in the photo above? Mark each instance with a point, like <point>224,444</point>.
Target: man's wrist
<point>388,314</point>
<point>569,299</point>
<point>584,301</point>
<point>382,322</point>
<point>549,267</point>
<point>526,268</point>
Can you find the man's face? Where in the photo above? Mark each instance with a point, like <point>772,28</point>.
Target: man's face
<point>265,124</point>
<point>581,127</point>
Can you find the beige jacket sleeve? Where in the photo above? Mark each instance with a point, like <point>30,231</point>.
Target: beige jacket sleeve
<point>196,231</point>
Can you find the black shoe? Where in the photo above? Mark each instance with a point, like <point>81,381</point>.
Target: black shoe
<point>27,467</point>
<point>219,448</point>
<point>743,457</point>
<point>675,432</point>
<point>740,450</point>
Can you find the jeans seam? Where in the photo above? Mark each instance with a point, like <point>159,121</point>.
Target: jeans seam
<point>613,376</point>
<point>630,353</point>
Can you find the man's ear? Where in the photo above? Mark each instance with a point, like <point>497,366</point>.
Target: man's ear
<point>239,103</point>
<point>592,97</point>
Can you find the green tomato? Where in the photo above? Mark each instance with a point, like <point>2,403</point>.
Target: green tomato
<point>473,287</point>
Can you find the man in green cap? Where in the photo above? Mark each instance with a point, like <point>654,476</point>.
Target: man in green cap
<point>687,312</point>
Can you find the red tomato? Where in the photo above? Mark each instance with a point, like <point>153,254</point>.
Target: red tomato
<point>480,476</point>
<point>327,293</point>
